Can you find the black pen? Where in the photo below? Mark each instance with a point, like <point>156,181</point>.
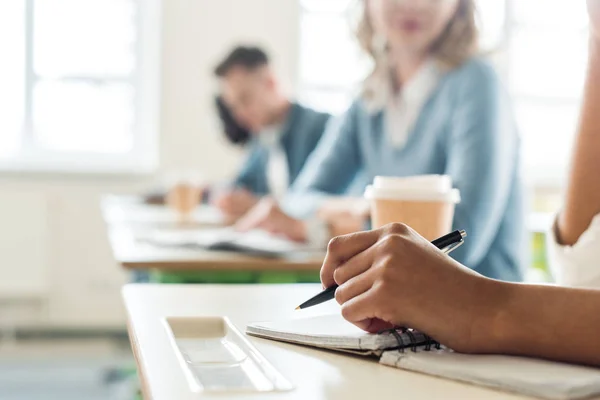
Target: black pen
<point>446,243</point>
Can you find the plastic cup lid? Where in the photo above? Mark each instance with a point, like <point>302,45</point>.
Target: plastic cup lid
<point>434,188</point>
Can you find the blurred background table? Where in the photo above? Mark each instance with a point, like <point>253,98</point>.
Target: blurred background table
<point>132,210</point>
<point>129,222</point>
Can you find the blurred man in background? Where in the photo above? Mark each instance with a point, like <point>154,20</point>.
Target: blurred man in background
<point>282,133</point>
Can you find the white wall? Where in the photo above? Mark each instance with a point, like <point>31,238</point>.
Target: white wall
<point>81,281</point>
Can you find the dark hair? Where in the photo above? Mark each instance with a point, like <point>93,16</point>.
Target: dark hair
<point>246,57</point>
<point>234,132</point>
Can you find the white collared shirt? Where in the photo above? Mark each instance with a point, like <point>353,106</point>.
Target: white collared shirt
<point>277,165</point>
<point>402,109</point>
<point>577,265</point>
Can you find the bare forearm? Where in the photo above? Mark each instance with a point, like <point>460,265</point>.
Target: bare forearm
<point>582,201</point>
<point>556,323</point>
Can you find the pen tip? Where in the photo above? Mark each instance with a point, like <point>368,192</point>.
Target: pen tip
<point>298,308</point>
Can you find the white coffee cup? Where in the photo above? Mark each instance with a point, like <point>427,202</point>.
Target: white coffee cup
<point>425,203</point>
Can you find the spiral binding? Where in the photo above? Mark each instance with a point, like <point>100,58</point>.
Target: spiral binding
<point>412,343</point>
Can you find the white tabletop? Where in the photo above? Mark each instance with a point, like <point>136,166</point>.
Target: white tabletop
<point>316,374</point>
<point>132,210</point>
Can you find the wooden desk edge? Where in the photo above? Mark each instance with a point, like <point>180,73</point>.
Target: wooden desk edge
<point>255,265</point>
<point>135,348</point>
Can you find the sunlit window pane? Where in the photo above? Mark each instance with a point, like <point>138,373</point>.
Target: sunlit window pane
<point>84,37</point>
<point>557,14</point>
<point>330,54</point>
<point>76,116</point>
<point>546,63</point>
<point>547,130</point>
<point>329,6</point>
<point>12,74</point>
<point>492,19</point>
<point>335,102</point>
<point>69,76</point>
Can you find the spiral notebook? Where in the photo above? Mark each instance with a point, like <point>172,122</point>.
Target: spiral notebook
<point>257,243</point>
<point>414,351</point>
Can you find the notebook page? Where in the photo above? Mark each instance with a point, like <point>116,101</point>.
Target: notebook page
<point>527,376</point>
<point>329,331</point>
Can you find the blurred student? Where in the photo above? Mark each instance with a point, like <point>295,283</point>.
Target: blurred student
<point>283,133</point>
<point>393,277</point>
<point>431,106</point>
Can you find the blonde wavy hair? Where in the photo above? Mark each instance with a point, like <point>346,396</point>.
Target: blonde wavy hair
<point>456,44</point>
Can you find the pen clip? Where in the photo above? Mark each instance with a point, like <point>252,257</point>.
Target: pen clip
<point>452,247</point>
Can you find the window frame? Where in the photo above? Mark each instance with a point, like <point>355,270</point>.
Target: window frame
<point>144,156</point>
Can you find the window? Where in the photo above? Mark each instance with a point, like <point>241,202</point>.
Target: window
<point>546,66</point>
<point>79,84</point>
<point>540,48</point>
<point>331,63</point>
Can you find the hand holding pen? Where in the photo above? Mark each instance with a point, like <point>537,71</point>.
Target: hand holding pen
<point>392,276</point>
<point>446,244</point>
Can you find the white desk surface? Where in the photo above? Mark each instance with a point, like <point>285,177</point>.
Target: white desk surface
<point>132,210</point>
<point>316,374</point>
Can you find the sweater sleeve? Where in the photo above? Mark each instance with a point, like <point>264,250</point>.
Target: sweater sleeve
<point>482,158</point>
<point>252,173</point>
<point>330,169</point>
